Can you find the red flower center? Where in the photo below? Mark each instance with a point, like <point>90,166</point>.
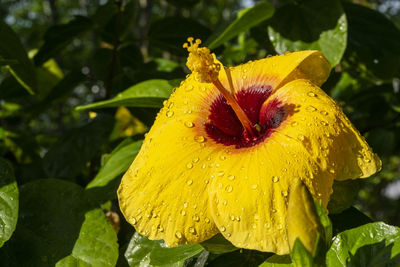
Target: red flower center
<point>225,128</point>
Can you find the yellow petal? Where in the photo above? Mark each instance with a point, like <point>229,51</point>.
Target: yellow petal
<point>325,133</point>
<point>164,193</point>
<point>315,142</point>
<point>303,220</point>
<point>276,71</point>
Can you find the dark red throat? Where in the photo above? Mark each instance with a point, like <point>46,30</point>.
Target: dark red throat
<point>225,128</point>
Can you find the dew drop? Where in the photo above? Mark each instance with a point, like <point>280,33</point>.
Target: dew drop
<point>310,108</point>
<point>189,88</point>
<point>161,229</point>
<point>133,221</point>
<point>178,235</point>
<point>195,160</point>
<point>229,188</point>
<point>185,204</point>
<point>196,218</point>
<point>183,212</point>
<point>254,226</point>
<point>222,157</point>
<point>189,165</point>
<point>220,173</point>
<point>323,112</point>
<point>319,195</point>
<point>285,193</point>
<point>332,171</point>
<point>169,113</point>
<point>324,123</point>
<point>254,186</point>
<point>275,179</point>
<point>300,137</point>
<point>223,229</point>
<point>189,182</point>
<point>312,94</point>
<point>284,169</point>
<point>192,230</point>
<point>206,181</point>
<point>367,160</point>
<point>294,123</point>
<point>207,220</point>
<point>189,124</point>
<point>231,177</point>
<point>199,138</point>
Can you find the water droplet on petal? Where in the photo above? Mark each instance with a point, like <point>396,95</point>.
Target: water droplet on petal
<point>312,94</point>
<point>199,138</point>
<point>195,160</point>
<point>323,112</point>
<point>285,193</point>
<point>223,229</point>
<point>185,204</point>
<point>231,177</point>
<point>284,169</point>
<point>229,188</point>
<point>300,137</point>
<point>294,123</point>
<point>189,165</point>
<point>222,157</point>
<point>207,220</point>
<point>189,124</point>
<point>161,229</point>
<point>178,235</point>
<point>311,108</point>
<point>275,179</point>
<point>206,181</point>
<point>196,218</point>
<point>324,123</point>
<point>189,182</point>
<point>169,113</point>
<point>183,212</point>
<point>189,88</point>
<point>192,230</point>
<point>133,221</point>
<point>254,186</point>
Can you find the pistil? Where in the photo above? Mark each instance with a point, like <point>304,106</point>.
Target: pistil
<point>205,69</point>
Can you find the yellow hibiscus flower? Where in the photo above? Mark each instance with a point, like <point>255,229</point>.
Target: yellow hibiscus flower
<point>229,146</point>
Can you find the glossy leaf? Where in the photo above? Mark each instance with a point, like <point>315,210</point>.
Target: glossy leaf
<point>373,244</point>
<point>149,93</point>
<point>8,201</point>
<point>57,221</point>
<point>59,36</point>
<point>69,155</point>
<point>218,245</point>
<point>144,252</point>
<point>374,42</point>
<point>11,50</point>
<point>300,256</point>
<point>310,24</point>
<point>247,18</point>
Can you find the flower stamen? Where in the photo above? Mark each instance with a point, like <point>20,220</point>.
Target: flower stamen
<point>204,68</point>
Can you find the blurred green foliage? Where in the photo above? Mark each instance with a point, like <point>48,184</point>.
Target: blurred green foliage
<point>82,81</point>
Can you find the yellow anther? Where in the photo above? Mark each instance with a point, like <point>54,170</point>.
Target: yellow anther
<point>201,62</point>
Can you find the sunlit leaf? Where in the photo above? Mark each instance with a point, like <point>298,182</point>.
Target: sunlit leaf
<point>247,18</point>
<point>8,201</point>
<point>310,24</point>
<point>373,244</point>
<point>149,93</point>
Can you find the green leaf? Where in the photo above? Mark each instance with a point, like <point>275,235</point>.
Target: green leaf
<point>58,37</point>
<point>118,162</point>
<point>170,33</point>
<point>374,42</point>
<point>373,244</point>
<point>69,155</point>
<point>277,261</point>
<point>149,93</point>
<point>247,18</point>
<point>300,256</point>
<point>57,221</point>
<point>12,50</point>
<point>162,255</point>
<point>218,245</point>
<point>8,201</point>
<point>242,257</point>
<point>343,196</point>
<point>310,24</point>
<point>144,252</point>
